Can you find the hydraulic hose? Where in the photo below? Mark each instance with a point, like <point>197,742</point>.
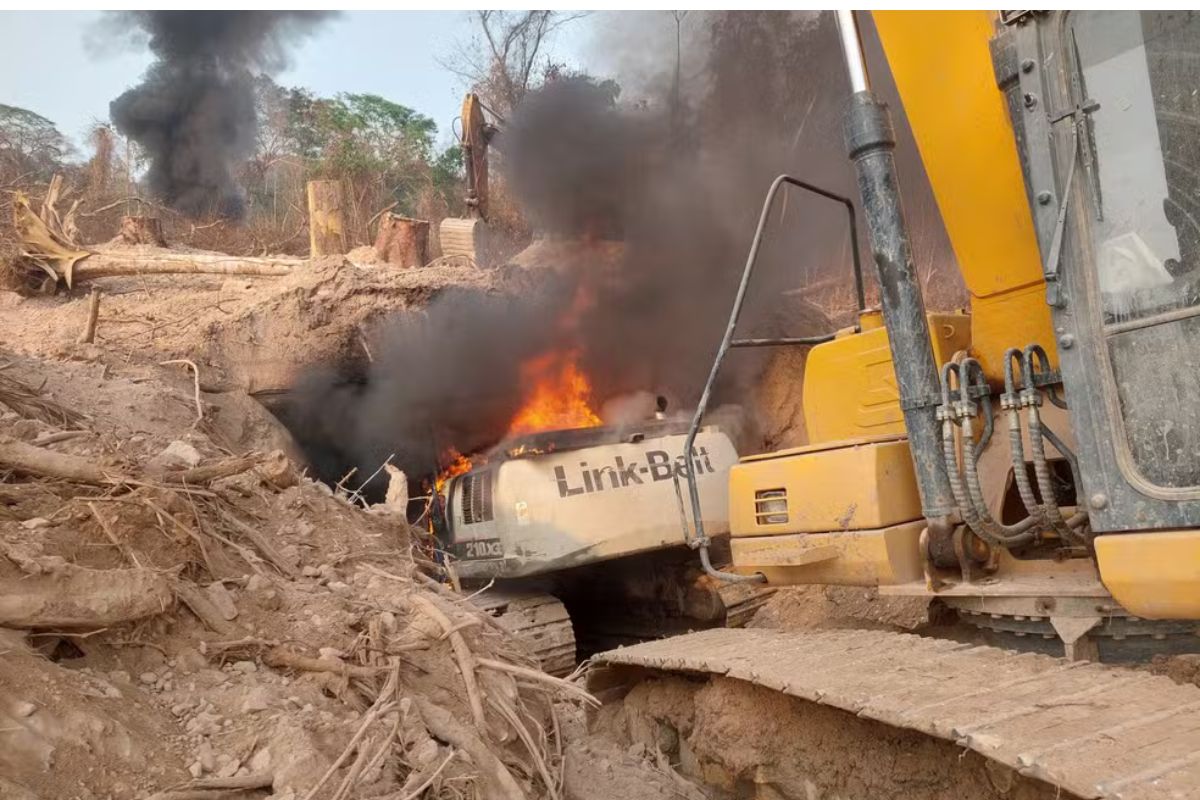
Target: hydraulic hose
<point>949,415</point>
<point>1010,401</point>
<point>986,529</point>
<point>1020,533</point>
<point>1032,400</point>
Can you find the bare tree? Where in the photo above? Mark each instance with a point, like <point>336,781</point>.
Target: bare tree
<point>501,62</point>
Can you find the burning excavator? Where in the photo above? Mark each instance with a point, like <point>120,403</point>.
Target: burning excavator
<point>572,524</point>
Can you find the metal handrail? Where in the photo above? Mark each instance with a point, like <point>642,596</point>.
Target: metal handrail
<point>701,540</point>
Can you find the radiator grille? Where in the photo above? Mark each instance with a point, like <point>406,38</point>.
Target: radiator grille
<point>770,506</point>
<point>477,496</point>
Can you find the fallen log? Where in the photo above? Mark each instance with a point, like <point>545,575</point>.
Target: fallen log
<point>264,545</point>
<point>76,598</point>
<point>46,249</point>
<point>209,788</point>
<point>205,611</point>
<point>282,658</point>
<point>29,460</point>
<point>111,263</point>
<point>215,471</point>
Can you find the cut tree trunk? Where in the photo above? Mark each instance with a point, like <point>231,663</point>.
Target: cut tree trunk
<point>326,218</point>
<point>29,460</point>
<point>74,597</point>
<point>402,242</point>
<point>109,263</point>
<point>44,251</point>
<point>142,230</point>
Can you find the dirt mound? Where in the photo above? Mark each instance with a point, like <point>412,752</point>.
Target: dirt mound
<point>185,618</point>
<point>252,333</point>
<point>796,608</point>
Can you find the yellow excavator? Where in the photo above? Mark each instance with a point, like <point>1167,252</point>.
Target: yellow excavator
<point>1033,465</point>
<point>466,237</point>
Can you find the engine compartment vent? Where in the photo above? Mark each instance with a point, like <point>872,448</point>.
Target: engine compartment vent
<point>477,496</point>
<point>771,506</point>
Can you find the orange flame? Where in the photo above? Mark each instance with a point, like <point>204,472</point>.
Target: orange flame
<point>458,465</point>
<point>559,398</point>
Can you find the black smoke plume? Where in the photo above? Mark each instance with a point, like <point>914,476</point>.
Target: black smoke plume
<point>445,378</point>
<point>193,112</point>
<point>645,207</point>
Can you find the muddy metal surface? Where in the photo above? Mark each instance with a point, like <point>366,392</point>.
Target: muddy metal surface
<point>1086,729</point>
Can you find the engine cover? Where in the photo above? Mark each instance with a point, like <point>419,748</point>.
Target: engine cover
<point>597,494</point>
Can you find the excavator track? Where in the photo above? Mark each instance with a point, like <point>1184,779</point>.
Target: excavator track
<point>1093,730</point>
<point>540,622</point>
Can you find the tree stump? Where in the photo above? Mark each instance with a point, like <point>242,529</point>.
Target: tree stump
<point>142,230</point>
<point>402,242</point>
<point>326,218</point>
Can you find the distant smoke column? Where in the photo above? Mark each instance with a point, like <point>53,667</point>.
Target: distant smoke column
<point>194,111</point>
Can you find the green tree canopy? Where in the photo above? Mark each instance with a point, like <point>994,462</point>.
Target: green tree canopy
<point>365,139</point>
<point>30,144</point>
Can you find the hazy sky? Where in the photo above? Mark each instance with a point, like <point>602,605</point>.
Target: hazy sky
<point>46,67</point>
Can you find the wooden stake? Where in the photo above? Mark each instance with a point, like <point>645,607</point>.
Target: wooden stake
<point>88,336</point>
<point>326,218</point>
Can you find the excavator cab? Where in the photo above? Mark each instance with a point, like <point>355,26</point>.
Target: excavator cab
<point>1125,283</point>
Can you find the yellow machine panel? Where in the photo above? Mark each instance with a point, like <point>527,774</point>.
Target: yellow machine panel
<point>858,485</point>
<point>942,66</point>
<point>1153,575</point>
<point>850,385</point>
<point>847,558</point>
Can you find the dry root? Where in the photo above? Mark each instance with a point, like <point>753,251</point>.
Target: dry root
<point>211,788</point>
<point>446,709</point>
